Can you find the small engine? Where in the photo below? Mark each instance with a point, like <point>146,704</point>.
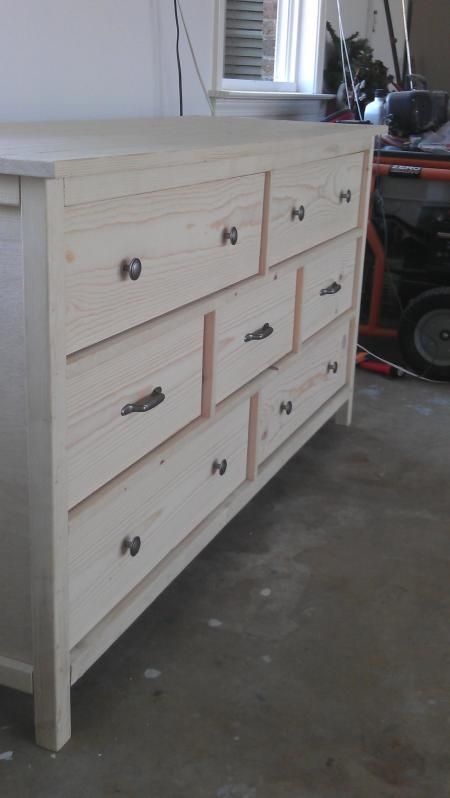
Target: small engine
<point>412,112</point>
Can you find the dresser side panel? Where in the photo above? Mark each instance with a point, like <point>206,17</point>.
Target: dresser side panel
<point>15,615</point>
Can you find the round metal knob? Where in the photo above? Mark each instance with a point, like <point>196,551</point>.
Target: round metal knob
<point>231,236</point>
<point>300,212</point>
<point>133,269</point>
<point>332,367</point>
<point>345,195</point>
<point>286,407</point>
<point>220,466</point>
<point>132,545</point>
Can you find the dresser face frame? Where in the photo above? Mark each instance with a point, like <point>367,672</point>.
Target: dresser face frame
<point>39,651</point>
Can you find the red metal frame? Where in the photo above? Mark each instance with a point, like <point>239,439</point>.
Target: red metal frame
<point>431,170</point>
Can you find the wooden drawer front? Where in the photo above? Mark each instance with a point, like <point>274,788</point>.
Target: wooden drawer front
<point>101,442</point>
<point>179,237</point>
<point>315,187</point>
<point>327,286</point>
<point>270,302</point>
<point>160,500</point>
<point>306,385</point>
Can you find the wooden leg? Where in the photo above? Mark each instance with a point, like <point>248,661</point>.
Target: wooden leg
<point>344,414</point>
<point>42,223</point>
<point>52,710</point>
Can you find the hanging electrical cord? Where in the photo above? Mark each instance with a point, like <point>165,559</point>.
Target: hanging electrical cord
<point>197,68</point>
<point>408,48</point>
<point>180,74</point>
<point>344,45</point>
<point>355,93</point>
<point>343,68</point>
<point>400,368</point>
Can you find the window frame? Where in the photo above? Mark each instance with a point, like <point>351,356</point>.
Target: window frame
<point>301,58</point>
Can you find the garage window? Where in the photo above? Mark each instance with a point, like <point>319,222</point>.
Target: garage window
<point>271,45</point>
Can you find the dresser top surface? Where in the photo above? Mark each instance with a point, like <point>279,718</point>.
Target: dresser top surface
<point>76,148</point>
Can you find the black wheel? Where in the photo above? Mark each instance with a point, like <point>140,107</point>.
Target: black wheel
<point>424,334</point>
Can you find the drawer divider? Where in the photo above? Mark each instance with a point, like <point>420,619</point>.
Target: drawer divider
<point>296,342</point>
<point>209,366</point>
<point>252,462</point>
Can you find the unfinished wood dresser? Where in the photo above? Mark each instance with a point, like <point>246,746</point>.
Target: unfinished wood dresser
<point>178,312</point>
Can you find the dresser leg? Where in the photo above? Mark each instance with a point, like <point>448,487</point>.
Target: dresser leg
<point>344,414</point>
<point>52,714</point>
<point>42,204</point>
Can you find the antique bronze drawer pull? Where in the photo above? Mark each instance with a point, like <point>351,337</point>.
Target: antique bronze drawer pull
<point>258,335</point>
<point>332,289</point>
<point>132,545</point>
<point>133,269</point>
<point>231,236</point>
<point>220,466</point>
<point>345,195</point>
<point>299,212</point>
<point>286,407</point>
<point>143,405</point>
<point>332,367</point>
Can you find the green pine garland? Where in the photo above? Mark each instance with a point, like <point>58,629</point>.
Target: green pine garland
<point>364,66</point>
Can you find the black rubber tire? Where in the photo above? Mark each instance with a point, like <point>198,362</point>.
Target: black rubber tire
<point>435,299</point>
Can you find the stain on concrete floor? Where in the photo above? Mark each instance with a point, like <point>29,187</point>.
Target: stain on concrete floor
<point>328,674</point>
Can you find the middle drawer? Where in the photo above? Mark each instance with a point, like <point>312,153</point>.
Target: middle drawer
<point>128,395</point>
<point>255,328</point>
<point>122,532</point>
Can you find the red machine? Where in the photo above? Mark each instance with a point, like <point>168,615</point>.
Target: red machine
<point>415,253</point>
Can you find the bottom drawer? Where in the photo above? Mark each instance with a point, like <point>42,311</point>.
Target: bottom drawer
<point>319,372</point>
<point>156,503</point>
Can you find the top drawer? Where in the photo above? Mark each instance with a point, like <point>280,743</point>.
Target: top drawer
<point>180,238</point>
<point>313,203</point>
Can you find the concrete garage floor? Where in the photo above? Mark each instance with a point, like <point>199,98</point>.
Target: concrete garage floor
<point>305,654</point>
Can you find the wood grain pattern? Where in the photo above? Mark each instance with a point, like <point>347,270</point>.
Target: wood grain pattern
<point>42,207</point>
<point>96,147</point>
<point>15,614</point>
<point>91,647</point>
<point>101,380</point>
<point>317,187</point>
<point>178,236</point>
<point>308,384</point>
<point>322,268</point>
<point>270,301</point>
<point>161,499</point>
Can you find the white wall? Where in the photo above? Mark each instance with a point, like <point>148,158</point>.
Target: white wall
<point>354,15</point>
<point>379,38</point>
<point>77,58</point>
<point>71,59</point>
<point>200,22</point>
